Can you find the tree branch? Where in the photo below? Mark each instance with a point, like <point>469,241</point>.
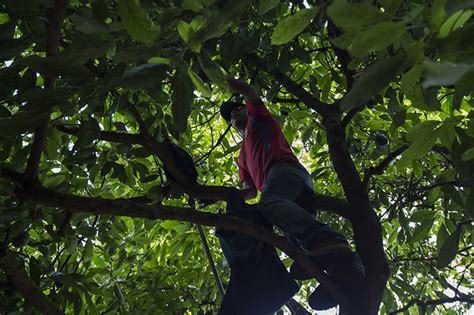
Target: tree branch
<point>285,100</point>
<point>294,88</point>
<point>366,224</point>
<point>379,169</point>
<point>466,299</point>
<point>39,139</point>
<point>214,146</point>
<point>307,98</point>
<point>342,55</point>
<point>457,183</point>
<point>110,136</point>
<point>323,202</point>
<point>296,308</point>
<point>28,289</point>
<point>123,207</point>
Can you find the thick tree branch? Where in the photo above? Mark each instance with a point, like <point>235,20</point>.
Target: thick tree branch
<point>344,58</point>
<point>39,139</point>
<point>367,227</point>
<point>110,136</point>
<point>351,114</point>
<point>323,202</point>
<point>424,304</point>
<point>28,289</point>
<point>342,55</point>
<point>123,207</point>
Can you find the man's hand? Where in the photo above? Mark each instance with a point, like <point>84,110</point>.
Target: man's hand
<point>249,191</point>
<point>248,92</point>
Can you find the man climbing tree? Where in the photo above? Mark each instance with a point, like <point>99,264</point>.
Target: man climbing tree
<point>267,163</point>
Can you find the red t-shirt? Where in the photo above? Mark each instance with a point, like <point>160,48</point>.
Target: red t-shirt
<point>264,145</point>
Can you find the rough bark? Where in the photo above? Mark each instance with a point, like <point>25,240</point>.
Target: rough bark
<point>25,286</point>
<point>39,139</point>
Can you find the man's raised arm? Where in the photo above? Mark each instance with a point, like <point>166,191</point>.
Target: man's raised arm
<point>248,92</point>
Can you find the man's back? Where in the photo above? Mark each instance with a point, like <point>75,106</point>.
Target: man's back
<point>264,144</point>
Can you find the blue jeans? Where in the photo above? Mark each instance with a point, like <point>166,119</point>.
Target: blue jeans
<point>285,183</point>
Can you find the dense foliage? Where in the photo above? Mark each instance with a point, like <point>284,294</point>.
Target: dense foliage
<point>394,77</point>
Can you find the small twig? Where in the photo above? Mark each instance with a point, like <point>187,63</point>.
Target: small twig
<point>214,146</point>
<point>379,169</point>
<point>468,299</point>
<point>457,183</point>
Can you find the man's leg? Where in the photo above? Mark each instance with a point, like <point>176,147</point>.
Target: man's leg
<point>286,182</point>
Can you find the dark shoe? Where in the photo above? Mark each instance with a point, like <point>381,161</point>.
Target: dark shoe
<point>351,280</point>
<point>321,300</point>
<point>325,255</point>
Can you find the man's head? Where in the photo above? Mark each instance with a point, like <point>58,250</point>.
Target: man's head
<point>235,114</point>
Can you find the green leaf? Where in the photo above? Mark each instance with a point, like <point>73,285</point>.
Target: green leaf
<point>185,31</point>
<point>376,37</point>
<point>169,224</point>
<point>449,249</point>
<point>136,21</point>
<point>266,5</point>
<point>454,22</point>
<point>145,76</point>
<point>376,77</point>
<point>118,294</point>
<point>422,215</point>
<point>155,192</point>
<point>350,15</point>
<point>182,96</point>
<point>425,137</point>
<point>54,180</point>
<point>468,155</point>
<point>21,122</point>
<point>292,25</point>
<point>391,5</point>
<point>221,20</point>
<point>88,251</point>
<point>422,131</point>
<point>57,66</point>
<point>421,231</point>
<point>99,10</point>
<point>199,84</point>
<point>211,69</point>
<point>442,74</point>
<point>40,99</point>
<point>469,204</point>
<point>11,48</point>
<point>447,134</point>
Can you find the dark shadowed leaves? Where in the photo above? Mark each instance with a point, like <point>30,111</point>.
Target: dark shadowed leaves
<point>376,77</point>
<point>292,25</point>
<point>136,21</point>
<point>348,15</point>
<point>449,249</point>
<point>182,98</point>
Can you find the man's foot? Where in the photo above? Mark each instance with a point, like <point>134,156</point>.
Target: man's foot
<point>344,268</point>
<point>352,283</point>
<point>321,300</point>
<point>325,255</point>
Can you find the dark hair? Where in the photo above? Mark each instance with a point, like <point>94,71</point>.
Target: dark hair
<point>227,108</point>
